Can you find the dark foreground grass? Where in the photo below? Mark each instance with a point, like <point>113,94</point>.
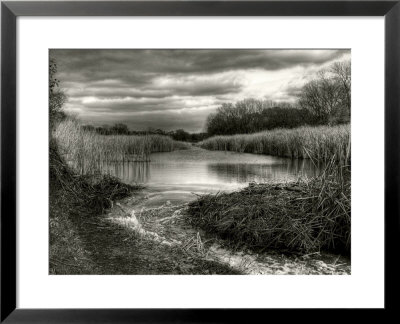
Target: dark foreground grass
<point>73,198</point>
<point>305,216</point>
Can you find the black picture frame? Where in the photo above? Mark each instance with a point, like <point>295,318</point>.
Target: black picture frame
<point>9,13</point>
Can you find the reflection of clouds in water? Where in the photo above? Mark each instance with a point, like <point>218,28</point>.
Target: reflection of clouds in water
<point>203,173</point>
<point>240,172</point>
<point>181,173</point>
<point>261,172</point>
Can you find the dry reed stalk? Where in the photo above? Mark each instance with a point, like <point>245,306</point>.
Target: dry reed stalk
<point>86,150</point>
<point>308,215</point>
<point>318,143</point>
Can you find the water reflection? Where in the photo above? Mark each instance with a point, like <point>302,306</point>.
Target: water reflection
<point>240,173</point>
<point>129,172</point>
<point>199,171</point>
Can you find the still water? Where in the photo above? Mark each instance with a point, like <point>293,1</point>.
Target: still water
<point>201,171</point>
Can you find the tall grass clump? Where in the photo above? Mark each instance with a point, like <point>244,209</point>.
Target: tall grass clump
<point>95,192</point>
<point>86,150</point>
<point>320,143</point>
<point>303,216</point>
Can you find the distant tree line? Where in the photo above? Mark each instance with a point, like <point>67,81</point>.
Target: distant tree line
<point>251,115</point>
<point>122,129</point>
<point>181,135</point>
<point>325,100</point>
<point>117,129</point>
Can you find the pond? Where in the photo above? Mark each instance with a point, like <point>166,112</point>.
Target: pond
<point>181,174</point>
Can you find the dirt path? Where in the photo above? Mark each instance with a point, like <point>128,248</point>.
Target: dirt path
<point>141,236</point>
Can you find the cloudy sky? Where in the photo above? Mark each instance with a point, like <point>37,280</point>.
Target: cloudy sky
<point>171,89</point>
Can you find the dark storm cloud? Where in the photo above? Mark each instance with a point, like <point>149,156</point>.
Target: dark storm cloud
<point>106,83</point>
<point>140,66</point>
<point>137,105</point>
<point>119,93</point>
<point>184,88</point>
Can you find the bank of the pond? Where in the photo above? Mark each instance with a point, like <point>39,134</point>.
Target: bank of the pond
<point>304,216</point>
<point>73,199</point>
<point>167,235</point>
<point>84,243</point>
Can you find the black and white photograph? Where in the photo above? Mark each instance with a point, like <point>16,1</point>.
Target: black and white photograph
<point>200,161</point>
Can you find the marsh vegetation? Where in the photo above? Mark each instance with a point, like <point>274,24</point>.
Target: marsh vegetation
<point>305,216</point>
<point>320,143</point>
<point>87,150</point>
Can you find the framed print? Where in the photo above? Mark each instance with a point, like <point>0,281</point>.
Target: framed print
<point>198,160</point>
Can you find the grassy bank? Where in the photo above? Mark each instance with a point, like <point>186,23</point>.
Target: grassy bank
<point>87,149</point>
<point>75,198</point>
<point>321,144</point>
<point>304,216</point>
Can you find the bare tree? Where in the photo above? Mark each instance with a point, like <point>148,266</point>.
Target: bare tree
<point>254,115</point>
<point>328,96</point>
<point>342,74</point>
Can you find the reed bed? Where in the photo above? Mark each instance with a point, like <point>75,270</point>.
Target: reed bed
<point>320,144</point>
<point>96,192</point>
<point>303,216</point>
<point>87,150</point>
